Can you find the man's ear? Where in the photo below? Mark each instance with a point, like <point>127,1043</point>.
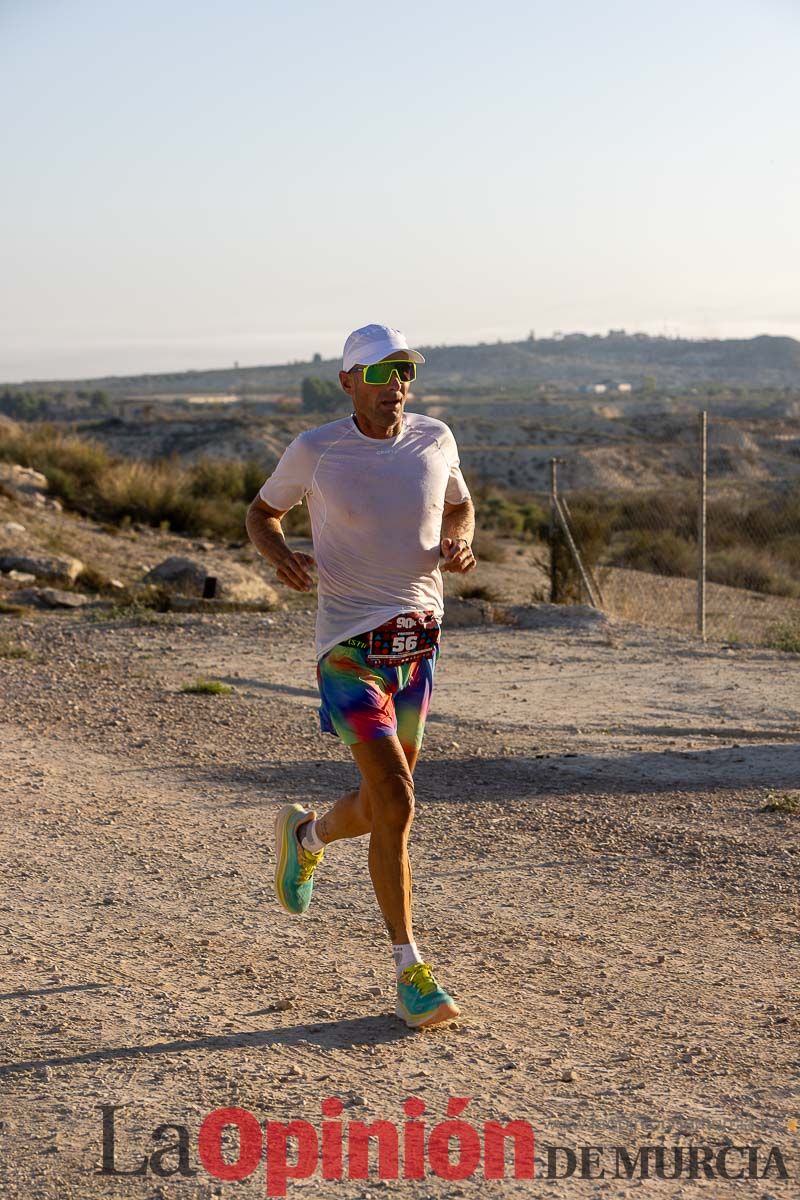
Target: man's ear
<point>346,382</point>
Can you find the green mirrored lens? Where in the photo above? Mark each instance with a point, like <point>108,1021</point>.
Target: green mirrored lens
<point>380,373</point>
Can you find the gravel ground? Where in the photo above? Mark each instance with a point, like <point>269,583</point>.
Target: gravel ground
<point>596,880</point>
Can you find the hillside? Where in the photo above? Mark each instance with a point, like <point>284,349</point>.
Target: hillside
<point>572,361</point>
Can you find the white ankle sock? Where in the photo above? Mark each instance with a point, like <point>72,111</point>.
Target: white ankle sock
<point>405,956</point>
<point>309,838</point>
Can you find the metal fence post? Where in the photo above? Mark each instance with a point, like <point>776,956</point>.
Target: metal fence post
<point>553,530</point>
<point>701,525</point>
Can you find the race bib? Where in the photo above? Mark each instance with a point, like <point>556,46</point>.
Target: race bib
<point>403,639</point>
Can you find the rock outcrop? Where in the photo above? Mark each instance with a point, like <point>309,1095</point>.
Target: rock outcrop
<point>231,581</point>
<point>58,569</point>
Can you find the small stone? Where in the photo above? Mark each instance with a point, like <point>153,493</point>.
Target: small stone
<point>568,1076</point>
<point>281,1005</point>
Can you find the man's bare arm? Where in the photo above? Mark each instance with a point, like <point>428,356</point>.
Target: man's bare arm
<point>266,533</point>
<point>458,530</point>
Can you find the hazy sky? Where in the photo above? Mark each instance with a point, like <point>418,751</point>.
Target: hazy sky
<point>188,183</point>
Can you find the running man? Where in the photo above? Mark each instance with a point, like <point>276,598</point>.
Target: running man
<point>389,512</point>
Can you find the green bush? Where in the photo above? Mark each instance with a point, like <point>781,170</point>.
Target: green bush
<point>321,395</point>
<point>207,687</point>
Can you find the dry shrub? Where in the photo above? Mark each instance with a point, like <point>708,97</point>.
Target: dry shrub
<point>785,635</point>
<point>747,567</point>
<point>657,512</point>
<point>591,529</point>
<point>209,498</point>
<point>487,547</point>
<point>661,554</point>
<point>479,591</point>
<point>92,580</point>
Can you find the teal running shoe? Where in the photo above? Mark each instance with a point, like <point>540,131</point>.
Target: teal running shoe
<point>420,1000</point>
<point>295,866</point>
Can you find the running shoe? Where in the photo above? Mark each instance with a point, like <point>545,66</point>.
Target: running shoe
<point>295,866</point>
<point>420,1000</point>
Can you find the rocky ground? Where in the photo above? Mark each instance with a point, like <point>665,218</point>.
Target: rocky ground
<point>606,867</point>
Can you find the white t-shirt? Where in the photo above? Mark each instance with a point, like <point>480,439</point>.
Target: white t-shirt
<point>376,508</point>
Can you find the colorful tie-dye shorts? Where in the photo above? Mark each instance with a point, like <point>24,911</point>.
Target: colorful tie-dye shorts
<point>362,702</point>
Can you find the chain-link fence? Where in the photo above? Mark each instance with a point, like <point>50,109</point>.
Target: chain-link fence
<point>715,549</point>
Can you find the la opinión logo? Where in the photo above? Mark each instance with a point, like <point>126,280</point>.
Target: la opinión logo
<point>452,1149</point>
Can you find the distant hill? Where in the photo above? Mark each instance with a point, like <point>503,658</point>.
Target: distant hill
<point>572,361</point>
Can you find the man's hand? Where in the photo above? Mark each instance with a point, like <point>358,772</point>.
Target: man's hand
<point>293,571</point>
<point>457,555</point>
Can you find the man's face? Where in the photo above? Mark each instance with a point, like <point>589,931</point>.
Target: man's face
<point>380,405</point>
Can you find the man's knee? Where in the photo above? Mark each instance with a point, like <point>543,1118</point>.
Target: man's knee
<point>392,799</point>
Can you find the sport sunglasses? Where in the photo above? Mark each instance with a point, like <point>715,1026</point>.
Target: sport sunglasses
<point>381,372</point>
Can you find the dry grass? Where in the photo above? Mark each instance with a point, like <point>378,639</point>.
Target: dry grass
<point>784,635</point>
<point>9,649</point>
<point>207,499</point>
<point>787,803</point>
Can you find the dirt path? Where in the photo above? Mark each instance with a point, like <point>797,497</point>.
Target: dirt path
<point>595,880</point>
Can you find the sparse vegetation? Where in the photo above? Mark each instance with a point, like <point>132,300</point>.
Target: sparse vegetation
<point>752,568</point>
<point>661,553</point>
<point>144,605</point>
<point>785,635</point>
<point>207,687</point>
<point>755,545</point>
<point>9,649</point>
<point>787,803</point>
<point>92,580</point>
<point>24,405</point>
<point>207,499</point>
<point>479,591</point>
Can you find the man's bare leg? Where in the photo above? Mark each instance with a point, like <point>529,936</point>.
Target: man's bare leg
<point>390,787</point>
<point>383,806</point>
<point>351,815</point>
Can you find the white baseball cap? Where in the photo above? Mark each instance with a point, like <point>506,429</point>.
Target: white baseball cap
<point>371,343</point>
